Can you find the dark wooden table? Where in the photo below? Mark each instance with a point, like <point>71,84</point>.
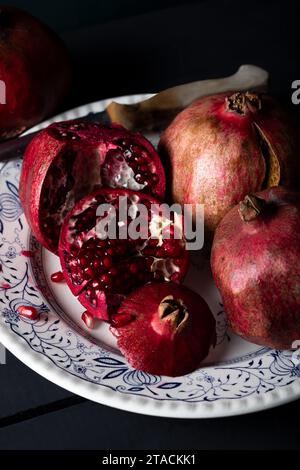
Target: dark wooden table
<point>145,54</point>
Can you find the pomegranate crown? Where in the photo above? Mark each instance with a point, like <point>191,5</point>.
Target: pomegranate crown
<point>174,311</point>
<point>243,103</point>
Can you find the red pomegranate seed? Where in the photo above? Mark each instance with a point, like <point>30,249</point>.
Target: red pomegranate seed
<point>27,253</point>
<point>133,268</point>
<point>97,263</point>
<point>105,278</point>
<point>107,261</point>
<point>83,261</point>
<point>88,319</point>
<point>27,311</point>
<point>5,285</point>
<point>96,285</point>
<point>57,277</point>
<point>113,271</point>
<point>89,272</point>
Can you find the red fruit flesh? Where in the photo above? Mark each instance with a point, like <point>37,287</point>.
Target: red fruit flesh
<point>169,329</point>
<point>35,67</point>
<point>256,265</point>
<point>226,146</point>
<point>103,271</point>
<point>27,311</point>
<point>68,160</point>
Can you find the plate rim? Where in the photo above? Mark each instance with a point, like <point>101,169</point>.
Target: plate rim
<point>133,403</point>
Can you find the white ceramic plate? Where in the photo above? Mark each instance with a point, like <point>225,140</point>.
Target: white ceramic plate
<point>238,377</point>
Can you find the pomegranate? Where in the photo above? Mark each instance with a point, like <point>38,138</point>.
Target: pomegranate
<point>67,160</point>
<point>223,147</point>
<point>166,329</point>
<point>256,265</point>
<point>102,271</point>
<point>34,68</point>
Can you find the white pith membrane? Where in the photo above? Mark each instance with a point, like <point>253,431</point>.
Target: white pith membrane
<point>75,173</point>
<point>139,261</point>
<point>120,175</point>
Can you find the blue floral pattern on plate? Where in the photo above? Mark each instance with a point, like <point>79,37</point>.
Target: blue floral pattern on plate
<point>55,337</point>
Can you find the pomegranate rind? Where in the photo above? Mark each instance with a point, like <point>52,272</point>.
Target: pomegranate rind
<point>151,345</point>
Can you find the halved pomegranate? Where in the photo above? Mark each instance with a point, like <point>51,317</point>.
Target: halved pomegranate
<point>102,271</point>
<point>68,160</point>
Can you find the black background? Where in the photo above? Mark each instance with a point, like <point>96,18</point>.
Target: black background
<point>121,47</point>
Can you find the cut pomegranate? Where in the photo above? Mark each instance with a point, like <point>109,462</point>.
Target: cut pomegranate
<point>88,319</point>
<point>68,160</point>
<point>164,329</point>
<point>27,311</point>
<point>57,277</point>
<point>103,271</point>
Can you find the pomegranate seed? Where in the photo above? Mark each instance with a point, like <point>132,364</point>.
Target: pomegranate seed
<point>138,159</point>
<point>97,263</point>
<point>27,253</point>
<point>139,178</point>
<point>89,272</point>
<point>83,261</point>
<point>74,250</point>
<point>105,278</point>
<point>91,243</point>
<point>101,244</point>
<point>96,285</point>
<point>27,311</point>
<point>57,277</point>
<point>114,271</point>
<point>110,251</point>
<point>133,268</point>
<point>107,261</point>
<point>88,319</point>
<point>99,252</point>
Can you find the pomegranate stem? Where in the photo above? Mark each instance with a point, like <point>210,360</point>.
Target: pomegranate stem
<point>243,103</point>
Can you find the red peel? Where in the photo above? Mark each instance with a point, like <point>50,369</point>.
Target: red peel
<point>169,329</point>
<point>256,265</point>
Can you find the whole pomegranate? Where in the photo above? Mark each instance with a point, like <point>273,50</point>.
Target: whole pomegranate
<point>102,269</point>
<point>256,265</point>
<point>68,160</point>
<point>35,70</point>
<point>164,329</point>
<point>225,146</point>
